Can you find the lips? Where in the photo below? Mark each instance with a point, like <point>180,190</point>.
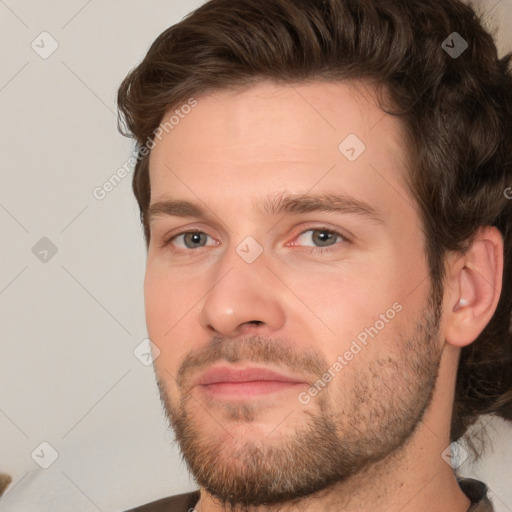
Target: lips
<point>220,374</point>
<point>224,382</point>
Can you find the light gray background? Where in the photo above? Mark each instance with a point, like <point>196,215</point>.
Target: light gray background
<point>69,326</point>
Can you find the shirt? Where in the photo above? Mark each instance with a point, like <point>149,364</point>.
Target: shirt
<point>475,490</point>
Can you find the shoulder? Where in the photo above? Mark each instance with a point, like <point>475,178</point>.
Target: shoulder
<point>179,503</point>
<point>476,491</point>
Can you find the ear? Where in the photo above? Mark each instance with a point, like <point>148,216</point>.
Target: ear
<point>473,287</point>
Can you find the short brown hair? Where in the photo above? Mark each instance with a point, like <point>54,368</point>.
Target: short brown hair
<point>457,111</point>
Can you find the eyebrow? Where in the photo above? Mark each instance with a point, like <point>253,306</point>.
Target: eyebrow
<point>293,204</point>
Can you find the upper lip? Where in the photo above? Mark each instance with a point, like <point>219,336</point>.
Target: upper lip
<point>223,373</point>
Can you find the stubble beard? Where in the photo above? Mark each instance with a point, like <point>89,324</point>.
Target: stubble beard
<point>380,412</point>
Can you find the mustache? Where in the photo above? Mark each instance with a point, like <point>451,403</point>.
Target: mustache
<point>255,349</point>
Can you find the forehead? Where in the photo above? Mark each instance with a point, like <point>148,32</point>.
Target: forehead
<point>269,130</point>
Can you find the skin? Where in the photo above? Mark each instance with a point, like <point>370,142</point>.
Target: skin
<point>235,149</point>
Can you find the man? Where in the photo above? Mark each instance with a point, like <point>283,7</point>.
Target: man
<point>325,193</point>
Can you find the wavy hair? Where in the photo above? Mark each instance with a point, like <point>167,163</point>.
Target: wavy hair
<point>457,112</point>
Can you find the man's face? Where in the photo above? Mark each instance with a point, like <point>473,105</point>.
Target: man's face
<point>336,302</point>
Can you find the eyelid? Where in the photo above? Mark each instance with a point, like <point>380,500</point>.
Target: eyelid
<point>185,229</point>
<point>174,233</point>
<point>322,227</point>
<point>319,249</point>
<point>167,239</point>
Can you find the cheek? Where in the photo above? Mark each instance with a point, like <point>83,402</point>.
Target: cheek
<point>341,303</point>
<point>166,307</point>
<point>168,295</point>
<point>360,301</point>
<point>156,301</point>
<point>348,296</point>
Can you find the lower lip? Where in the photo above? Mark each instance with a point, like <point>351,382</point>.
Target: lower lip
<point>249,389</point>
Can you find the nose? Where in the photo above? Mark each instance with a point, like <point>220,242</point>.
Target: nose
<point>244,299</point>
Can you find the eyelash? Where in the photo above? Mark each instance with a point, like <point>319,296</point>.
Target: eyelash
<point>313,250</point>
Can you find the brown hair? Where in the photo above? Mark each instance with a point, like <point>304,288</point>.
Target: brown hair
<point>457,111</point>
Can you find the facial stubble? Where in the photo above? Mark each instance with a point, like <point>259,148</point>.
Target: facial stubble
<point>377,416</point>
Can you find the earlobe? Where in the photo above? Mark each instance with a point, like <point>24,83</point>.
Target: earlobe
<point>475,288</point>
